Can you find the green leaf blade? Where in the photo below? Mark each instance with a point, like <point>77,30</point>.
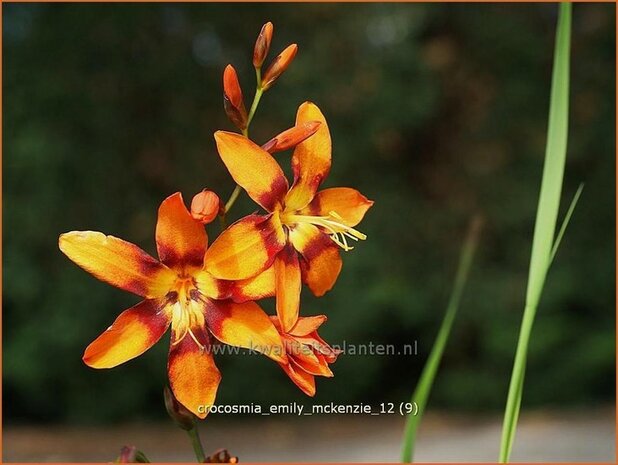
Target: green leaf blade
<point>543,243</point>
<point>423,388</point>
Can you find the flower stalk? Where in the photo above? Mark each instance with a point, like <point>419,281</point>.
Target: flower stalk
<point>263,83</point>
<point>245,132</point>
<point>194,435</point>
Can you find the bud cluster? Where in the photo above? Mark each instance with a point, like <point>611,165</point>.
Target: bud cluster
<point>232,93</point>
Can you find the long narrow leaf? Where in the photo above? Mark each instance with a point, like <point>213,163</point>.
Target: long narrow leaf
<point>423,388</point>
<point>565,222</point>
<point>546,219</point>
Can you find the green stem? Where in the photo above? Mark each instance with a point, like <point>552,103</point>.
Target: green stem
<point>223,220</point>
<point>232,198</point>
<point>256,100</point>
<point>254,105</point>
<point>197,444</point>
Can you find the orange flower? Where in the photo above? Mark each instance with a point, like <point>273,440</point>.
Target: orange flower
<point>180,290</point>
<point>307,352</point>
<point>313,224</point>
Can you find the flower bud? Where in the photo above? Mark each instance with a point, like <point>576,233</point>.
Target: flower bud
<point>221,456</point>
<point>205,206</point>
<point>278,66</point>
<point>262,44</point>
<point>178,412</point>
<point>130,454</point>
<point>291,137</point>
<point>232,98</point>
<point>127,454</point>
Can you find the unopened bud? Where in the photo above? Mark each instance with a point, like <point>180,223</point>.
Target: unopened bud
<point>232,98</point>
<point>130,454</point>
<point>278,66</point>
<point>262,44</point>
<point>178,412</point>
<point>221,456</point>
<point>291,137</point>
<point>205,206</point>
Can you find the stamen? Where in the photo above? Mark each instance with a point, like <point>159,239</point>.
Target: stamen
<point>335,227</point>
<point>186,315</point>
<point>177,340</point>
<point>199,344</point>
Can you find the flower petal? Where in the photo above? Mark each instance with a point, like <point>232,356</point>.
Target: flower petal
<point>245,325</point>
<point>308,324</point>
<point>253,169</point>
<point>256,288</point>
<point>180,238</point>
<point>300,377</point>
<point>287,287</point>
<point>313,364</point>
<point>346,202</point>
<point>194,377</point>
<point>324,362</point>
<point>117,262</point>
<point>320,347</point>
<point>304,356</point>
<point>246,248</point>
<point>311,159</point>
<point>321,262</point>
<point>212,287</point>
<point>133,333</point>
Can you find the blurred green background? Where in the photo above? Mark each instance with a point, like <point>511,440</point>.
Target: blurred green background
<point>437,112</point>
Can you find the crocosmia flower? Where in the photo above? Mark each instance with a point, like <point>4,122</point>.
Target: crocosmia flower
<point>181,290</point>
<point>314,225</point>
<point>307,352</point>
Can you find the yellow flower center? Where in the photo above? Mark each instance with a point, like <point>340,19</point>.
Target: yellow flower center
<point>333,224</point>
<point>186,304</point>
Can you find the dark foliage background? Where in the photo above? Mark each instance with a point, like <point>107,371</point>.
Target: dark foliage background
<point>437,112</point>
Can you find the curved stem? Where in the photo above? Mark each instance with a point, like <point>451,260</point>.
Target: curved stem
<point>256,100</point>
<point>197,444</point>
<point>232,198</point>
